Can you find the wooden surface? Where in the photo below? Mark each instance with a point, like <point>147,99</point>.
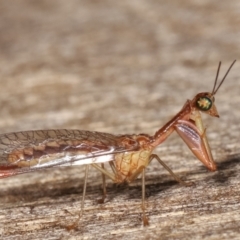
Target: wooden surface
<point>120,67</point>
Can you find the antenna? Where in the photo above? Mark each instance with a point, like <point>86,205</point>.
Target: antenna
<point>215,83</point>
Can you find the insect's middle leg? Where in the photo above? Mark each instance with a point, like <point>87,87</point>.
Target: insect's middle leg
<point>144,217</point>
<point>155,156</point>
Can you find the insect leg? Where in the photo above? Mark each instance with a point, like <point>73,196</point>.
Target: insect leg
<point>144,217</point>
<point>194,135</point>
<point>75,224</point>
<point>103,186</point>
<point>169,170</point>
<point>84,190</point>
<point>113,167</point>
<point>105,172</point>
<point>141,170</point>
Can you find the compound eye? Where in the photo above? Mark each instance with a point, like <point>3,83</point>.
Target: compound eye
<point>204,103</point>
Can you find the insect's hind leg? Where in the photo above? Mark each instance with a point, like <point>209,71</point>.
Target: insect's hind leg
<point>80,214</point>
<point>155,156</point>
<point>104,190</point>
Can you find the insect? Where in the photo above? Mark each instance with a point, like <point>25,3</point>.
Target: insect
<point>127,155</point>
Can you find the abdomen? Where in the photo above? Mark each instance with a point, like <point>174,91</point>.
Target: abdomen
<point>128,163</point>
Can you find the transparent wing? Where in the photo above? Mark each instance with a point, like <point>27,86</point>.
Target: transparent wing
<point>31,150</point>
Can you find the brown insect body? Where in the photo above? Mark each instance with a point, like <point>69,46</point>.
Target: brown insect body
<point>128,155</point>
<point>129,163</point>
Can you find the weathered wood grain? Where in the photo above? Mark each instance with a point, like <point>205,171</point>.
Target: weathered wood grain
<point>120,67</point>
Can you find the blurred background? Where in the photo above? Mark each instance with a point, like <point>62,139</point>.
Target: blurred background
<point>110,66</point>
<point>117,67</point>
